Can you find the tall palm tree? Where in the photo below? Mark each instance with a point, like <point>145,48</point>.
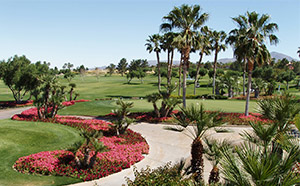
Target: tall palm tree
<point>217,39</point>
<point>255,31</point>
<point>168,46</point>
<point>234,39</point>
<point>202,43</point>
<point>186,19</point>
<point>200,121</point>
<point>153,44</point>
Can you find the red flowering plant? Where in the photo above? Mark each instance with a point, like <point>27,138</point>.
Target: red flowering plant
<point>93,158</point>
<point>121,152</point>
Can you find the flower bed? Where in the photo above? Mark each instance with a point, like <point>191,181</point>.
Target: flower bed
<point>124,151</point>
<point>229,118</point>
<point>7,104</point>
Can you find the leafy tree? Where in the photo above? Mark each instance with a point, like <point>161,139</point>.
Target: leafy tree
<point>137,68</point>
<point>286,76</point>
<point>186,19</point>
<point>122,66</point>
<point>153,44</point>
<point>254,30</point>
<point>217,39</point>
<point>201,73</point>
<point>229,81</point>
<point>81,70</point>
<point>111,69</point>
<point>21,76</point>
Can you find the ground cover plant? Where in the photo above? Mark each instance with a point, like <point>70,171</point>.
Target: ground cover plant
<point>96,157</point>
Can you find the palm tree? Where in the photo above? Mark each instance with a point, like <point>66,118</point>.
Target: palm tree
<point>153,44</point>
<point>234,39</point>
<point>202,43</point>
<point>178,43</point>
<point>186,19</point>
<point>255,30</point>
<point>168,46</point>
<point>200,121</point>
<point>217,39</point>
<point>213,152</point>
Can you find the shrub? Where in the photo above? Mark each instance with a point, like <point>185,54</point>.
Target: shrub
<point>164,175</point>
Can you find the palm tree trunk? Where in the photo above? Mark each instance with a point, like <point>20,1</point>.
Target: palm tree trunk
<point>248,92</point>
<point>214,176</point>
<point>184,84</point>
<point>197,159</point>
<point>179,73</point>
<point>158,71</point>
<point>244,77</point>
<point>215,70</point>
<point>170,68</point>
<point>197,72</point>
<point>168,80</point>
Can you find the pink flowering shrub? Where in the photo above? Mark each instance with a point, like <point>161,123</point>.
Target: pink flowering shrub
<point>124,151</point>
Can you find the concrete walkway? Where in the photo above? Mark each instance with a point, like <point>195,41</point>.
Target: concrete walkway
<point>8,113</point>
<point>165,146</point>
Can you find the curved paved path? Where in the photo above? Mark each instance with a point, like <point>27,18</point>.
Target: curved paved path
<point>8,113</point>
<point>165,146</point>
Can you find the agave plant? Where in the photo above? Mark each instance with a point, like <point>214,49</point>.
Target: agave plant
<point>200,121</point>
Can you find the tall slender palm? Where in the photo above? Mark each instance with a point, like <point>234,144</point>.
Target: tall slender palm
<point>256,30</point>
<point>153,44</point>
<point>178,43</point>
<point>234,39</point>
<point>186,19</point>
<point>202,43</point>
<point>217,39</point>
<point>168,46</point>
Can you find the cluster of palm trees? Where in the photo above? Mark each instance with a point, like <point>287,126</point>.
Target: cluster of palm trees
<point>184,30</point>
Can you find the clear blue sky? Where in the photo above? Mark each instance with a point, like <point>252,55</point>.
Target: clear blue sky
<point>99,32</point>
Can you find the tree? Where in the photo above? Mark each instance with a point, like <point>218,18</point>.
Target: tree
<point>21,76</point>
<point>81,70</point>
<point>167,104</point>
<point>201,121</point>
<point>67,71</point>
<point>122,122</point>
<point>229,81</point>
<point>111,69</point>
<point>137,68</point>
<point>167,44</point>
<point>48,97</point>
<point>217,39</point>
<point>286,76</point>
<point>122,66</point>
<point>254,31</point>
<point>202,43</point>
<point>186,19</point>
<point>153,44</point>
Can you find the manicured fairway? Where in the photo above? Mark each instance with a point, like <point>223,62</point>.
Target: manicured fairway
<point>98,108</point>
<point>24,138</point>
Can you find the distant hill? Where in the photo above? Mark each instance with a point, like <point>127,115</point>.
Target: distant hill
<point>275,55</point>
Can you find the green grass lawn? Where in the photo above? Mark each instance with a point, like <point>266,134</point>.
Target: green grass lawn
<point>100,108</point>
<point>24,138</point>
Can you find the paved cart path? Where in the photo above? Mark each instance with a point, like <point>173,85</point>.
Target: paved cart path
<point>8,113</point>
<point>165,146</point>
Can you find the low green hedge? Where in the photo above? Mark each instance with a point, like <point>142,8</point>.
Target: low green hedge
<point>204,96</point>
